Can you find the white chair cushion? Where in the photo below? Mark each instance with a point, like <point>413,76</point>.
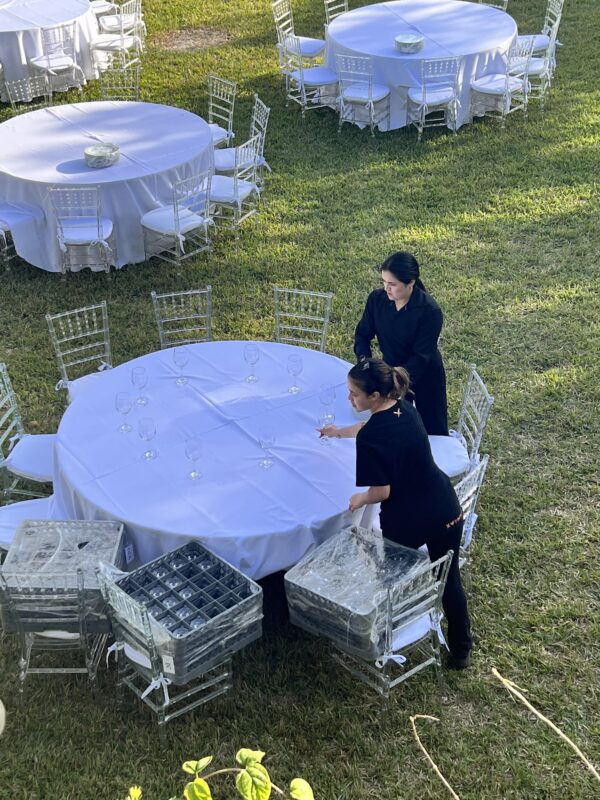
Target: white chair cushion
<point>434,96</point>
<point>537,66</point>
<point>101,6</point>
<point>76,387</point>
<point>540,41</point>
<point>225,159</point>
<point>65,635</point>
<point>112,43</point>
<point>309,48</point>
<point>162,220</point>
<point>495,83</point>
<point>137,657</point>
<point>450,454</point>
<point>14,513</point>
<point>55,62</point>
<point>315,76</point>
<point>218,133</point>
<point>112,23</point>
<point>84,230</point>
<point>32,457</point>
<point>411,633</point>
<point>222,189</point>
<point>359,93</point>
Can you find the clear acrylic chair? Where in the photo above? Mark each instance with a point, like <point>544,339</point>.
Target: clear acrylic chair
<point>81,342</point>
<point>49,613</point>
<point>541,70</point>
<point>127,17</point>
<point>221,102</point>
<point>457,453</point>
<point>333,9</point>
<point>412,632</point>
<point>225,156</point>
<point>501,4</point>
<point>23,457</point>
<point>29,94</point>
<point>58,61</point>
<point>360,100</point>
<point>499,94</point>
<point>180,230</point>
<point>234,198</point>
<point>183,317</point>
<point>122,48</point>
<point>310,50</point>
<point>141,668</point>
<point>309,87</point>
<point>551,24</point>
<point>120,83</point>
<point>435,101</point>
<point>302,317</point>
<point>100,7</point>
<point>85,237</point>
<point>467,490</point>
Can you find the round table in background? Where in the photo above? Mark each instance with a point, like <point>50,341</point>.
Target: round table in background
<point>260,520</point>
<point>480,34</point>
<point>159,145</point>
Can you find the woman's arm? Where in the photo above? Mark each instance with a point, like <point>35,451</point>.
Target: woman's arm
<point>365,332</point>
<point>349,432</point>
<point>376,494</point>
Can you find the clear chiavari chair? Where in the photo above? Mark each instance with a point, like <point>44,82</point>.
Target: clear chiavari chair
<point>120,83</point>
<point>435,102</point>
<point>501,4</point>
<point>541,70</point>
<point>225,156</point>
<point>499,94</point>
<point>183,317</point>
<point>467,490</point>
<point>309,87</point>
<point>309,49</point>
<point>302,317</point>
<point>235,197</point>
<point>551,24</point>
<point>29,94</point>
<point>361,101</point>
<point>58,61</point>
<point>127,17</point>
<point>221,103</point>
<point>121,48</point>
<point>333,9</point>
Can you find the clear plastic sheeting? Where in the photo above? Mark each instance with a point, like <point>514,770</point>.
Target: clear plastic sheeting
<point>344,589</point>
<point>201,610</point>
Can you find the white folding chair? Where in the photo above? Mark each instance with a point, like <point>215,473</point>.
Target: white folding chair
<point>13,514</point>
<point>552,19</point>
<point>180,230</point>
<point>225,156</point>
<point>435,101</point>
<point>312,87</point>
<point>183,317</point>
<point>85,236</point>
<point>333,9</point>
<point>310,50</point>
<point>221,102</point>
<point>235,197</point>
<point>456,453</point>
<point>499,94</point>
<point>58,61</point>
<point>501,4</point>
<point>467,490</point>
<point>23,456</point>
<point>81,342</point>
<point>29,94</point>
<point>120,83</point>
<point>302,317</point>
<point>360,100</point>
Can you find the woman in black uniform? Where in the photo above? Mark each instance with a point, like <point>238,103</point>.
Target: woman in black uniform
<point>407,322</point>
<point>418,503</point>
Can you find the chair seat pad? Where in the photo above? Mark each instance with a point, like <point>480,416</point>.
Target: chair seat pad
<point>222,189</point>
<point>113,42</point>
<point>55,62</point>
<point>84,230</point>
<point>495,83</point>
<point>13,514</point>
<point>359,93</point>
<point>537,66</point>
<point>434,96</point>
<point>101,6</point>
<point>225,160</point>
<point>309,48</point>
<point>137,656</point>
<point>450,454</point>
<point>63,635</point>
<point>32,457</point>
<point>80,385</point>
<point>540,41</point>
<point>218,133</point>
<point>12,213</point>
<point>162,220</point>
<point>315,76</point>
<point>112,23</point>
<point>412,633</point>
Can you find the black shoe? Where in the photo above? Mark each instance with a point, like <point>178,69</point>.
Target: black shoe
<point>454,662</point>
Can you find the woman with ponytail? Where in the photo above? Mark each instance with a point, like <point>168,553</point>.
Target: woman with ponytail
<point>407,322</point>
<point>418,503</point>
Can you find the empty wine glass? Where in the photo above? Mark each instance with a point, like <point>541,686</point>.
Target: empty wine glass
<point>294,367</point>
<point>327,395</point>
<point>326,417</point>
<point>193,451</point>
<point>139,379</point>
<point>123,404</point>
<point>266,439</point>
<point>147,432</point>
<point>251,356</point>
<point>181,356</point>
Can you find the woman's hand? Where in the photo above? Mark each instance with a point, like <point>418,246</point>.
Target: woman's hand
<point>329,430</point>
<point>357,501</point>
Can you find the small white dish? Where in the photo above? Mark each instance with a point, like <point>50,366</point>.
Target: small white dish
<point>101,155</point>
<point>409,42</point>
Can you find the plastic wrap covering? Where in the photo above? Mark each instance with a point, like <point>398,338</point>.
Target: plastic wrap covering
<point>59,548</point>
<point>201,610</point>
<point>343,589</point>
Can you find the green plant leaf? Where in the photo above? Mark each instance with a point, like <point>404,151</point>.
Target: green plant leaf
<point>300,790</point>
<point>196,767</point>
<point>189,767</point>
<point>246,756</point>
<point>253,783</point>
<point>198,789</point>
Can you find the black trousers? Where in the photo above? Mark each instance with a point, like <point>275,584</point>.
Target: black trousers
<point>429,396</point>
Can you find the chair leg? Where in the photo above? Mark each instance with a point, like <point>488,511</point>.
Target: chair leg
<point>26,645</point>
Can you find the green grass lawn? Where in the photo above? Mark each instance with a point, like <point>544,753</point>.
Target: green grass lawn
<point>506,227</point>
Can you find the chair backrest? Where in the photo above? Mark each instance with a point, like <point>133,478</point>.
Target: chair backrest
<point>35,91</point>
<point>11,424</point>
<point>247,157</point>
<point>60,40</point>
<point>259,121</point>
<point>519,58</point>
<point>291,61</point>
<point>467,490</point>
<point>221,101</point>
<point>474,412</point>
<point>440,71</point>
<point>183,317</point>
<point>284,20</point>
<point>354,71</point>
<point>553,15</point>
<point>191,194</point>
<point>120,83</point>
<point>333,9</point>
<point>302,317</point>
<point>81,340</point>
<point>81,206</point>
<point>501,4</point>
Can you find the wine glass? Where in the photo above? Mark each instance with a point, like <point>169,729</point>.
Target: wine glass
<point>193,451</point>
<point>294,367</point>
<point>327,395</point>
<point>326,417</point>
<point>181,356</point>
<point>139,379</point>
<point>266,439</point>
<point>147,432</point>
<point>251,356</point>
<point>123,404</point>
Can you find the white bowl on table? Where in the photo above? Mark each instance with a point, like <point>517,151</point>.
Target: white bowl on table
<point>409,42</point>
<point>101,155</point>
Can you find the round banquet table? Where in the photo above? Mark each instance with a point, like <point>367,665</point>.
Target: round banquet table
<point>20,37</point>
<point>159,145</point>
<point>480,34</point>
<point>260,520</point>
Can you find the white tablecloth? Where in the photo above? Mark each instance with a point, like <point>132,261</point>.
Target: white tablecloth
<point>260,520</point>
<point>20,37</point>
<point>159,145</point>
<point>480,34</point>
